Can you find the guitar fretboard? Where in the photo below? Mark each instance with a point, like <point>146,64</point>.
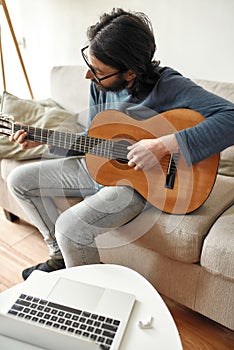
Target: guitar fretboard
<point>81,143</point>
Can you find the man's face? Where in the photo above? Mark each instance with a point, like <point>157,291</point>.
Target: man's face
<point>114,83</point>
<point>119,84</point>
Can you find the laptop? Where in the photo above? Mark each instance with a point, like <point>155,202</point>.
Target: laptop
<point>61,313</point>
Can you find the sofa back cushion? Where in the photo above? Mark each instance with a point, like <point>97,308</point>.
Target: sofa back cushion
<point>226,163</point>
<point>225,90</point>
<point>70,89</point>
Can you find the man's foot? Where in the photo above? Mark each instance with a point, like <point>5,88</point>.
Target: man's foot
<point>48,266</point>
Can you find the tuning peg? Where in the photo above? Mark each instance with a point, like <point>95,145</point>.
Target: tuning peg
<point>6,116</point>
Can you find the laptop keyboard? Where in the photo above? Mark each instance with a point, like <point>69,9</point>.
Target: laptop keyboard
<point>76,322</point>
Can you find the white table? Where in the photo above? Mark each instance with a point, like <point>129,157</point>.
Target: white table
<point>162,336</point>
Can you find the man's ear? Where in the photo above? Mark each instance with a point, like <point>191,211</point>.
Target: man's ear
<point>129,75</point>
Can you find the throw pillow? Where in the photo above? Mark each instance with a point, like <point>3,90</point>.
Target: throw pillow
<point>40,114</point>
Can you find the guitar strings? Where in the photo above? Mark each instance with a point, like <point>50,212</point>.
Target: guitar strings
<point>85,143</point>
<point>110,149</point>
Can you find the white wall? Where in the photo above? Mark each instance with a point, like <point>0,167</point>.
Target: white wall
<point>193,36</point>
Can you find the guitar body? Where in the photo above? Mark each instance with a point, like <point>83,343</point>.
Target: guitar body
<point>192,185</point>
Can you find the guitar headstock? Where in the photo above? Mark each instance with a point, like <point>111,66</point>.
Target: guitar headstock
<point>6,124</point>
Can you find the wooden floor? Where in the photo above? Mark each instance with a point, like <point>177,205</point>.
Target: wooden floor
<point>21,246</point>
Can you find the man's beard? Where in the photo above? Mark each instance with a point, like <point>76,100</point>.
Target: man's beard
<point>118,86</point>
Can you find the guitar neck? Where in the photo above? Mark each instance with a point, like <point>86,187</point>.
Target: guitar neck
<point>70,141</point>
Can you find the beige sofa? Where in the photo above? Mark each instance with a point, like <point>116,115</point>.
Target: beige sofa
<point>190,258</point>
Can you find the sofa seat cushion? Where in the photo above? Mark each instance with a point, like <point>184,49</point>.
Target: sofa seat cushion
<point>217,253</point>
<point>179,237</point>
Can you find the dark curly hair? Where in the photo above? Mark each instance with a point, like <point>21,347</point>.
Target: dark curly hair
<point>125,40</point>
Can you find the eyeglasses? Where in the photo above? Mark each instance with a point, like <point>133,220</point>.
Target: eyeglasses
<point>99,80</point>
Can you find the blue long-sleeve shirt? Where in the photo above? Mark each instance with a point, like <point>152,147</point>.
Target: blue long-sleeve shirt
<point>172,91</point>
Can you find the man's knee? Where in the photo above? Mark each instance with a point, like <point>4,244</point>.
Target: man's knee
<point>14,180</point>
<point>71,226</point>
<point>64,227</point>
<point>21,180</point>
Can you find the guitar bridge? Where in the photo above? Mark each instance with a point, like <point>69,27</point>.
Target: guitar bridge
<point>171,171</point>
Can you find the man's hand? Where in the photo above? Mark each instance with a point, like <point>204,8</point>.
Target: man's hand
<point>145,154</point>
<point>20,138</point>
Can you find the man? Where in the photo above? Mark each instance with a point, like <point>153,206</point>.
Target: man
<point>123,76</point>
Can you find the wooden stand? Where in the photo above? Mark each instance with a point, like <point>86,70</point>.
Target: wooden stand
<point>3,3</point>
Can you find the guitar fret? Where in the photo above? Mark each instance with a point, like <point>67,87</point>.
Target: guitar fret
<point>94,146</point>
<point>89,146</point>
<point>65,139</point>
<point>109,149</point>
<point>16,128</point>
<point>68,140</point>
<point>72,141</point>
<point>35,135</point>
<point>59,139</point>
<point>77,143</point>
<point>45,135</point>
<point>102,148</point>
<point>82,143</point>
<point>53,138</point>
<point>62,139</point>
<point>48,134</point>
<point>40,131</point>
<point>32,132</point>
<point>106,149</point>
<point>56,138</point>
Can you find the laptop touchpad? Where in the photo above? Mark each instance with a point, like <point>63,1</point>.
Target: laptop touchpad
<point>77,294</point>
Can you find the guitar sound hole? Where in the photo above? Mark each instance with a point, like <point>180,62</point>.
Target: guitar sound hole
<point>120,151</point>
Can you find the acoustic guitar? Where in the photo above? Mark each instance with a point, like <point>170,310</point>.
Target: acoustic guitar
<point>171,185</point>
